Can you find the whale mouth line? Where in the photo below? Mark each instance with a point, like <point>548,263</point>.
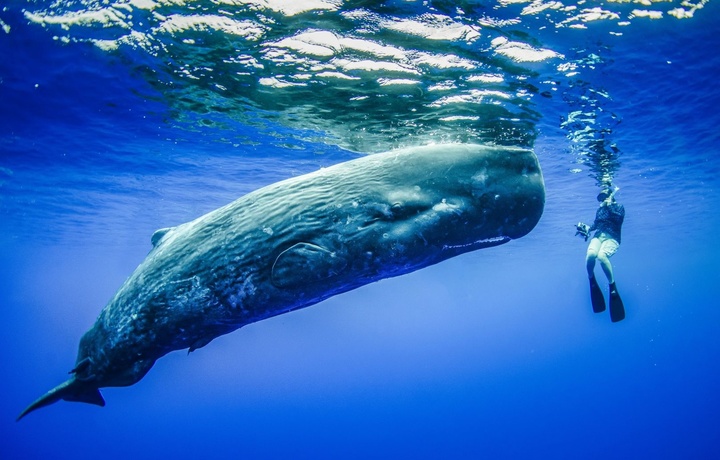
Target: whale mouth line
<point>482,242</point>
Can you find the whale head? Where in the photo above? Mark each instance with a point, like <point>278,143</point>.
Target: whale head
<point>460,199</point>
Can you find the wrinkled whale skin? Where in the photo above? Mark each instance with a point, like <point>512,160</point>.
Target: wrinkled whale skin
<point>297,242</point>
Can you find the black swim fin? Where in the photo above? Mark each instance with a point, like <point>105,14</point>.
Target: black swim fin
<point>617,309</point>
<point>596,296</point>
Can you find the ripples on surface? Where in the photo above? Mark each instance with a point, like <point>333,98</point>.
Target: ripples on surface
<point>370,75</point>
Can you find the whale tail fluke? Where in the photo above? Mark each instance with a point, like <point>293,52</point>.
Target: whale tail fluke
<point>70,390</point>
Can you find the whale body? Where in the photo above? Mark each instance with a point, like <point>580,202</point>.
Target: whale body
<point>297,242</point>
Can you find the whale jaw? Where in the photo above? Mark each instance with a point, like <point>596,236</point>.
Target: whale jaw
<point>70,390</point>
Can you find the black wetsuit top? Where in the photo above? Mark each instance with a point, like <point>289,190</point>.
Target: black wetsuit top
<point>609,219</point>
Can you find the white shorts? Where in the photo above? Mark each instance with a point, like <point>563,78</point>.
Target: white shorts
<point>603,245</point>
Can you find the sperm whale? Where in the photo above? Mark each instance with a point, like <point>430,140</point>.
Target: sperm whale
<point>297,242</point>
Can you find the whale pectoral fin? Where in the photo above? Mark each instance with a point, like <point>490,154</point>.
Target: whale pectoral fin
<point>157,237</point>
<point>305,263</point>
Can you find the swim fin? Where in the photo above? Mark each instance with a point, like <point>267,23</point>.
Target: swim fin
<point>617,309</point>
<point>596,296</point>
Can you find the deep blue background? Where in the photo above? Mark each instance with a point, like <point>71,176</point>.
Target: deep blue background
<point>495,354</point>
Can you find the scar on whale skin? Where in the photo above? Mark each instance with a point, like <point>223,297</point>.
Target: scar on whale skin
<point>297,242</point>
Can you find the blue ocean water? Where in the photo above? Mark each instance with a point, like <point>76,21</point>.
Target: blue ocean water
<point>117,119</point>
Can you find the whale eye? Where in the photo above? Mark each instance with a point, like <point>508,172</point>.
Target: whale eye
<point>406,210</point>
<point>395,211</point>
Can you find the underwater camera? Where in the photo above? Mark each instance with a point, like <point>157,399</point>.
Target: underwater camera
<point>583,230</point>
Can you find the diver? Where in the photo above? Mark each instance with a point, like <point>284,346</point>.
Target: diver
<point>606,241</point>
